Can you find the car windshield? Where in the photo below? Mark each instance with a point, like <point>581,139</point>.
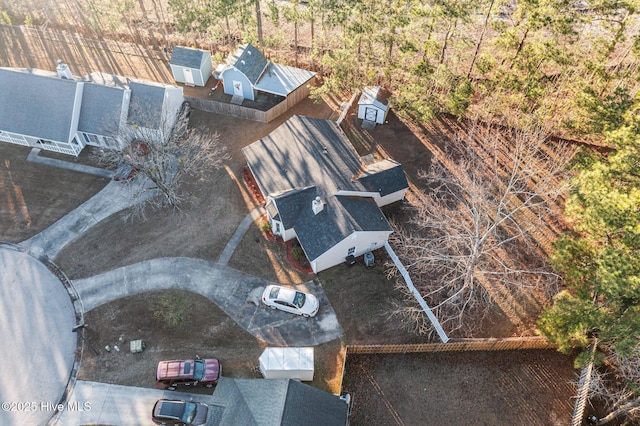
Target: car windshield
<point>298,300</point>
<point>189,412</point>
<point>274,292</point>
<point>198,369</point>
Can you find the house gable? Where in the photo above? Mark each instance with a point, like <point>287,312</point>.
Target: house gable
<point>39,104</point>
<point>146,106</point>
<point>341,218</point>
<point>384,177</point>
<point>103,109</point>
<point>249,61</point>
<point>187,57</point>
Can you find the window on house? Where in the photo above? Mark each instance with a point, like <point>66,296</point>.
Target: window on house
<point>351,251</point>
<point>277,228</point>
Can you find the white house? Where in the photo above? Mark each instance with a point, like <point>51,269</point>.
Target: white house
<point>62,113</point>
<point>40,109</point>
<point>373,105</point>
<point>247,71</point>
<point>318,191</point>
<point>190,66</point>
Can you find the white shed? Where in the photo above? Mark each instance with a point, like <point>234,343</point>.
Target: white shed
<point>287,363</point>
<point>192,67</point>
<point>373,105</point>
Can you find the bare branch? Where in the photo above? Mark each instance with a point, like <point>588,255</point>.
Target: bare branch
<point>481,225</point>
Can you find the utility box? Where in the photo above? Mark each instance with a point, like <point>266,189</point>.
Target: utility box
<point>287,363</point>
<point>369,259</point>
<point>136,346</point>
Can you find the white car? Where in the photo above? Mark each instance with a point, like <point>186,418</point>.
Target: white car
<point>290,300</point>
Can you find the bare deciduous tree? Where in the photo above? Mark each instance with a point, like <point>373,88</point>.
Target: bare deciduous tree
<point>618,386</point>
<point>476,233</point>
<point>164,158</point>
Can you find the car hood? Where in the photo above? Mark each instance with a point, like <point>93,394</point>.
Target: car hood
<point>201,414</point>
<point>311,305</point>
<point>211,370</point>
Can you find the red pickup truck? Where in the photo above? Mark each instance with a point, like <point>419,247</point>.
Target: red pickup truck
<point>190,372</point>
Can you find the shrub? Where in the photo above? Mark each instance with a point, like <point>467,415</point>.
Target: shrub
<point>297,252</point>
<point>171,307</point>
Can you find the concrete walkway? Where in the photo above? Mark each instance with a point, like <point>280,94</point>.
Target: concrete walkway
<point>34,157</point>
<point>114,197</point>
<point>231,246</point>
<point>233,291</point>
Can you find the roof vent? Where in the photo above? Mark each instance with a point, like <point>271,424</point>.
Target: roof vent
<point>317,205</point>
<point>325,150</point>
<point>63,70</point>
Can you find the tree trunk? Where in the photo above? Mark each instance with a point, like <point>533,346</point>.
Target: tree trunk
<point>623,409</point>
<point>295,40</point>
<point>259,24</point>
<point>520,46</point>
<point>446,41</point>
<point>479,44</point>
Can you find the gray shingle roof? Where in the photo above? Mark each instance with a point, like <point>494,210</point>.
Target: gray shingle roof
<point>308,157</point>
<point>282,79</point>
<point>274,402</point>
<point>101,109</point>
<point>308,406</point>
<point>186,57</point>
<point>341,217</point>
<point>145,107</point>
<point>249,61</point>
<point>290,203</point>
<point>37,103</point>
<point>304,152</point>
<point>385,177</point>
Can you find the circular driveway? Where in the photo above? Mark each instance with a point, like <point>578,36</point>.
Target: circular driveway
<point>38,344</point>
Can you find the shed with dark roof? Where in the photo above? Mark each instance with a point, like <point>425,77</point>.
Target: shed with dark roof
<point>190,66</point>
<point>247,72</point>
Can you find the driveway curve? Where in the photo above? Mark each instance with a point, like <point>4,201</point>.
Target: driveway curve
<point>232,290</point>
<point>38,345</point>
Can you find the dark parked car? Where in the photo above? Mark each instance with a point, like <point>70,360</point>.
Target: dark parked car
<point>204,372</point>
<point>170,412</point>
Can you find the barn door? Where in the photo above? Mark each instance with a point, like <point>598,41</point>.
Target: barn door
<point>237,89</point>
<point>370,114</point>
<point>188,76</point>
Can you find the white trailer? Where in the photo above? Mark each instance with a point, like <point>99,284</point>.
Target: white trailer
<point>287,363</point>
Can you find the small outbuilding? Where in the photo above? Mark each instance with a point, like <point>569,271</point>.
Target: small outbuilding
<point>192,67</point>
<point>373,105</point>
<point>287,363</point>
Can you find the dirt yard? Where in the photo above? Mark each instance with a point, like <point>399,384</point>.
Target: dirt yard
<point>32,197</point>
<point>476,388</point>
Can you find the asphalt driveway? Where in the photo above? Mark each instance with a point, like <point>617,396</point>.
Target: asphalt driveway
<point>233,291</point>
